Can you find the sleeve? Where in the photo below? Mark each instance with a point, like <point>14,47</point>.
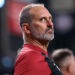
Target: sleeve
<point>32,63</point>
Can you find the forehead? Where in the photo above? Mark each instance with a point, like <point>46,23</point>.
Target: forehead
<point>40,11</point>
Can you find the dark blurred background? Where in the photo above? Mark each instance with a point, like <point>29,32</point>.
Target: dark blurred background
<point>63,12</point>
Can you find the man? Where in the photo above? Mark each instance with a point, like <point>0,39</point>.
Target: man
<point>65,60</point>
<point>37,27</point>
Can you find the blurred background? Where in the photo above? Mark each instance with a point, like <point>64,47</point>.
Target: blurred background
<point>63,12</point>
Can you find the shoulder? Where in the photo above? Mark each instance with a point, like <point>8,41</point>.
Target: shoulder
<point>27,54</point>
<point>30,60</point>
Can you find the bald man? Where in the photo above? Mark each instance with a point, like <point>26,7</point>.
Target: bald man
<point>37,28</point>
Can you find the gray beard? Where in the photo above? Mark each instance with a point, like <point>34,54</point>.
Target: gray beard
<point>43,36</point>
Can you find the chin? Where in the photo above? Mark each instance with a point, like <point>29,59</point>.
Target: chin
<point>49,37</point>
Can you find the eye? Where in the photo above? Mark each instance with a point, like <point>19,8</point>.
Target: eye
<point>43,19</point>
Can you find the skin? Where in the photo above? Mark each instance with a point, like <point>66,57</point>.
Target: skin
<point>70,66</point>
<point>40,31</point>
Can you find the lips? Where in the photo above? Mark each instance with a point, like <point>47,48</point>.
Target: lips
<point>50,31</point>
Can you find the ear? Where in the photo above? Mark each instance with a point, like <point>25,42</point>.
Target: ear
<point>69,69</point>
<point>26,28</point>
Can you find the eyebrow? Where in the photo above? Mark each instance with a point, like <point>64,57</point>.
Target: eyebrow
<point>45,17</point>
<point>50,17</point>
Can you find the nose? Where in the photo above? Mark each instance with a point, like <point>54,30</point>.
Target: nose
<point>49,24</point>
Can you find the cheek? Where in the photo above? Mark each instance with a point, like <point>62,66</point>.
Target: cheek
<point>41,28</point>
<point>73,67</point>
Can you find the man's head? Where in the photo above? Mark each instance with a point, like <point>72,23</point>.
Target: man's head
<point>36,22</point>
<point>65,60</point>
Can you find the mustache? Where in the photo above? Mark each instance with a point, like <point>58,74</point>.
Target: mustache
<point>49,29</point>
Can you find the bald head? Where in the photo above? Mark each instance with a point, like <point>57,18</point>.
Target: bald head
<point>26,15</point>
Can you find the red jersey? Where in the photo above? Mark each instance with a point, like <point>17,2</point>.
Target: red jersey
<point>30,61</point>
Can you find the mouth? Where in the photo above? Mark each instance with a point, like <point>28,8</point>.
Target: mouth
<point>51,31</point>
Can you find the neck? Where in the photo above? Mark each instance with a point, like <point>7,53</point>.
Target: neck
<point>40,43</point>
